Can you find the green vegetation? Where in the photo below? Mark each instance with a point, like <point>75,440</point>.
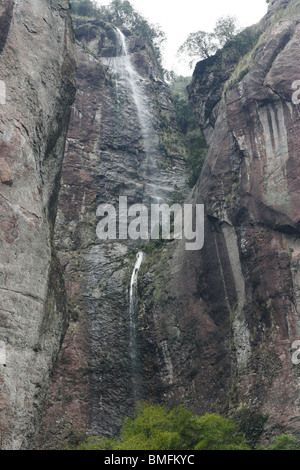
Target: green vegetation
<point>84,7</point>
<point>244,47</point>
<point>201,45</point>
<point>284,442</point>
<point>156,427</point>
<point>194,140</point>
<point>121,13</point>
<point>250,424</point>
<point>233,49</point>
<point>219,433</point>
<point>292,9</point>
<point>249,41</point>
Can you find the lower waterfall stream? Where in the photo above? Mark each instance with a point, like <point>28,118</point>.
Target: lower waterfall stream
<point>134,83</point>
<point>133,326</point>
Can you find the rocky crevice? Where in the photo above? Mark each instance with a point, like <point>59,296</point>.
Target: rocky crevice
<point>216,326</point>
<point>258,199</point>
<point>40,86</point>
<point>106,158</point>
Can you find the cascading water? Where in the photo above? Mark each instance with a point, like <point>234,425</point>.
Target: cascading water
<point>136,84</point>
<point>133,320</point>
<point>132,94</point>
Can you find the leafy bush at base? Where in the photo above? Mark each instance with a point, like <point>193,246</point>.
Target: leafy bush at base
<point>284,442</point>
<point>156,427</point>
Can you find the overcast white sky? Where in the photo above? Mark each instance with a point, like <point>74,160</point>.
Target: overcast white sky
<point>178,18</point>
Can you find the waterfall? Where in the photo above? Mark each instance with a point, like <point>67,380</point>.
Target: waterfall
<point>130,83</point>
<point>137,87</point>
<point>133,326</point>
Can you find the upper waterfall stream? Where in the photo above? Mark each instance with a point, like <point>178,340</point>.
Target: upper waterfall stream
<point>136,86</point>
<point>134,83</point>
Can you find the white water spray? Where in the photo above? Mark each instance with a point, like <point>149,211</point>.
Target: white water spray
<point>128,80</point>
<point>133,323</point>
<point>137,86</point>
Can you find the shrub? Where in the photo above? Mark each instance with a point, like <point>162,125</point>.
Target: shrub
<point>219,433</point>
<point>155,427</point>
<point>284,442</point>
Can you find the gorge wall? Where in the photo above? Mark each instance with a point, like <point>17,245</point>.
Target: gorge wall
<point>37,73</point>
<point>123,141</point>
<point>249,185</point>
<point>214,328</point>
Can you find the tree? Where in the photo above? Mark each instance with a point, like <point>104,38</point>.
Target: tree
<point>83,7</point>
<point>155,427</point>
<point>226,28</point>
<point>219,433</point>
<point>194,139</point>
<point>250,424</point>
<point>121,13</point>
<point>201,45</point>
<point>185,424</point>
<point>284,442</point>
<point>150,429</point>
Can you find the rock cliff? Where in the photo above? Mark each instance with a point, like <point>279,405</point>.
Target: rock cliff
<point>221,322</point>
<point>249,185</point>
<point>215,326</point>
<point>37,73</point>
<point>123,141</point>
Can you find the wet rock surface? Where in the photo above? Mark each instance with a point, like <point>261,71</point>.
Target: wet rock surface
<point>39,90</point>
<point>216,326</point>
<point>250,191</point>
<point>106,158</point>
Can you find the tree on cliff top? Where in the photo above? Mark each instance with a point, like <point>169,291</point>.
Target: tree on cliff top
<point>121,13</point>
<point>84,7</point>
<point>201,45</point>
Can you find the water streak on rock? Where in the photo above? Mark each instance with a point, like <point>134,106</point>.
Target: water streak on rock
<point>133,319</point>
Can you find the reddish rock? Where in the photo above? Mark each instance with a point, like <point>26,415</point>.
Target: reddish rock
<point>216,326</point>
<point>250,191</point>
<point>92,388</point>
<point>37,89</point>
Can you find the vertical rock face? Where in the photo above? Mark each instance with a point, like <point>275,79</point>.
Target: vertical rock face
<point>249,186</point>
<point>108,155</point>
<point>37,88</point>
<point>216,326</point>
